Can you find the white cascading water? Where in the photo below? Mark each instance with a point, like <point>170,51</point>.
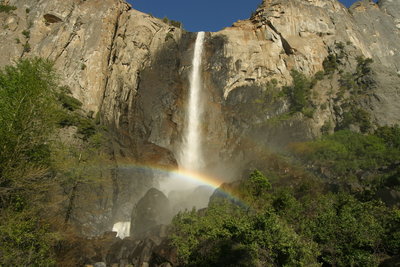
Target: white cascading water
<point>122,229</point>
<point>191,154</point>
<point>191,157</point>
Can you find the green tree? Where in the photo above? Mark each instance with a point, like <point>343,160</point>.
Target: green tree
<point>79,164</point>
<point>348,231</point>
<point>299,94</point>
<point>28,116</point>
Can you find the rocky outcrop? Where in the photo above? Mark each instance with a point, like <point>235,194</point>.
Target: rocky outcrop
<point>108,250</point>
<point>285,35</point>
<point>77,35</point>
<point>152,210</point>
<point>154,250</point>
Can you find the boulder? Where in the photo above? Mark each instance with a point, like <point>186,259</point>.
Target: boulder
<point>153,209</point>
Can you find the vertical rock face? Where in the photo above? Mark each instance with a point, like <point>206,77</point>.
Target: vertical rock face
<point>380,28</point>
<point>297,34</point>
<point>77,35</point>
<point>133,69</point>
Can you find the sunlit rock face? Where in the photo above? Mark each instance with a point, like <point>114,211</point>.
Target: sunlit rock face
<point>286,35</point>
<point>134,69</point>
<point>77,35</point>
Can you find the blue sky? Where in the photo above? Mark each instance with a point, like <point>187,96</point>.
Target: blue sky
<point>202,15</point>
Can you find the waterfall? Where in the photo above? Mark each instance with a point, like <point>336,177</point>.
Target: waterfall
<point>191,158</point>
<point>191,154</point>
<point>122,229</point>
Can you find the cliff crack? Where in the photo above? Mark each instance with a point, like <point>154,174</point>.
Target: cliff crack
<point>76,28</point>
<point>285,44</point>
<point>110,58</point>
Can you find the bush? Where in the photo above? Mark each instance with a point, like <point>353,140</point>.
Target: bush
<point>330,64</point>
<point>228,236</point>
<point>347,155</point>
<point>171,22</point>
<point>175,23</point>
<point>7,8</point>
<point>327,127</point>
<point>26,33</point>
<point>363,66</point>
<point>68,102</point>
<point>299,94</point>
<point>257,185</point>
<point>27,47</point>
<point>356,116</point>
<point>347,230</point>
<point>359,81</point>
<point>319,75</point>
<point>28,115</point>
<point>311,228</point>
<point>25,241</point>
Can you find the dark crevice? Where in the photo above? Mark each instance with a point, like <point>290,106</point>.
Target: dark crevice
<point>76,28</point>
<point>111,57</point>
<point>50,18</point>
<point>285,44</point>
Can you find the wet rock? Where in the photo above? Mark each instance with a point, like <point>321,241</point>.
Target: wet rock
<point>153,250</point>
<point>151,210</point>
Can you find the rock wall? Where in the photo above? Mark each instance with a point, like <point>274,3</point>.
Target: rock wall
<point>285,35</point>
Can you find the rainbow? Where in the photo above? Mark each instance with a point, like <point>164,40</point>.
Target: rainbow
<point>195,177</point>
<point>186,175</point>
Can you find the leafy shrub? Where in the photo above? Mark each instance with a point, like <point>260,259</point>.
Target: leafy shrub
<point>86,127</point>
<point>25,241</point>
<point>327,127</point>
<point>339,45</point>
<point>345,152</point>
<point>228,236</point>
<point>347,156</point>
<point>347,230</point>
<point>334,229</point>
<point>69,102</point>
<point>171,22</point>
<point>299,94</point>
<point>176,23</point>
<point>363,65</point>
<point>356,116</point>
<point>26,33</point>
<point>390,135</point>
<point>27,47</point>
<point>257,185</point>
<point>7,8</point>
<point>28,113</point>
<point>330,64</point>
<point>392,238</point>
<point>359,81</point>
<point>319,75</point>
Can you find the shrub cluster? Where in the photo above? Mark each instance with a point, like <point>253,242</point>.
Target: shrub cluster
<point>288,229</point>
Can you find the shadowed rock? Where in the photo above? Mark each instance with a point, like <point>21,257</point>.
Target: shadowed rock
<point>151,210</point>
